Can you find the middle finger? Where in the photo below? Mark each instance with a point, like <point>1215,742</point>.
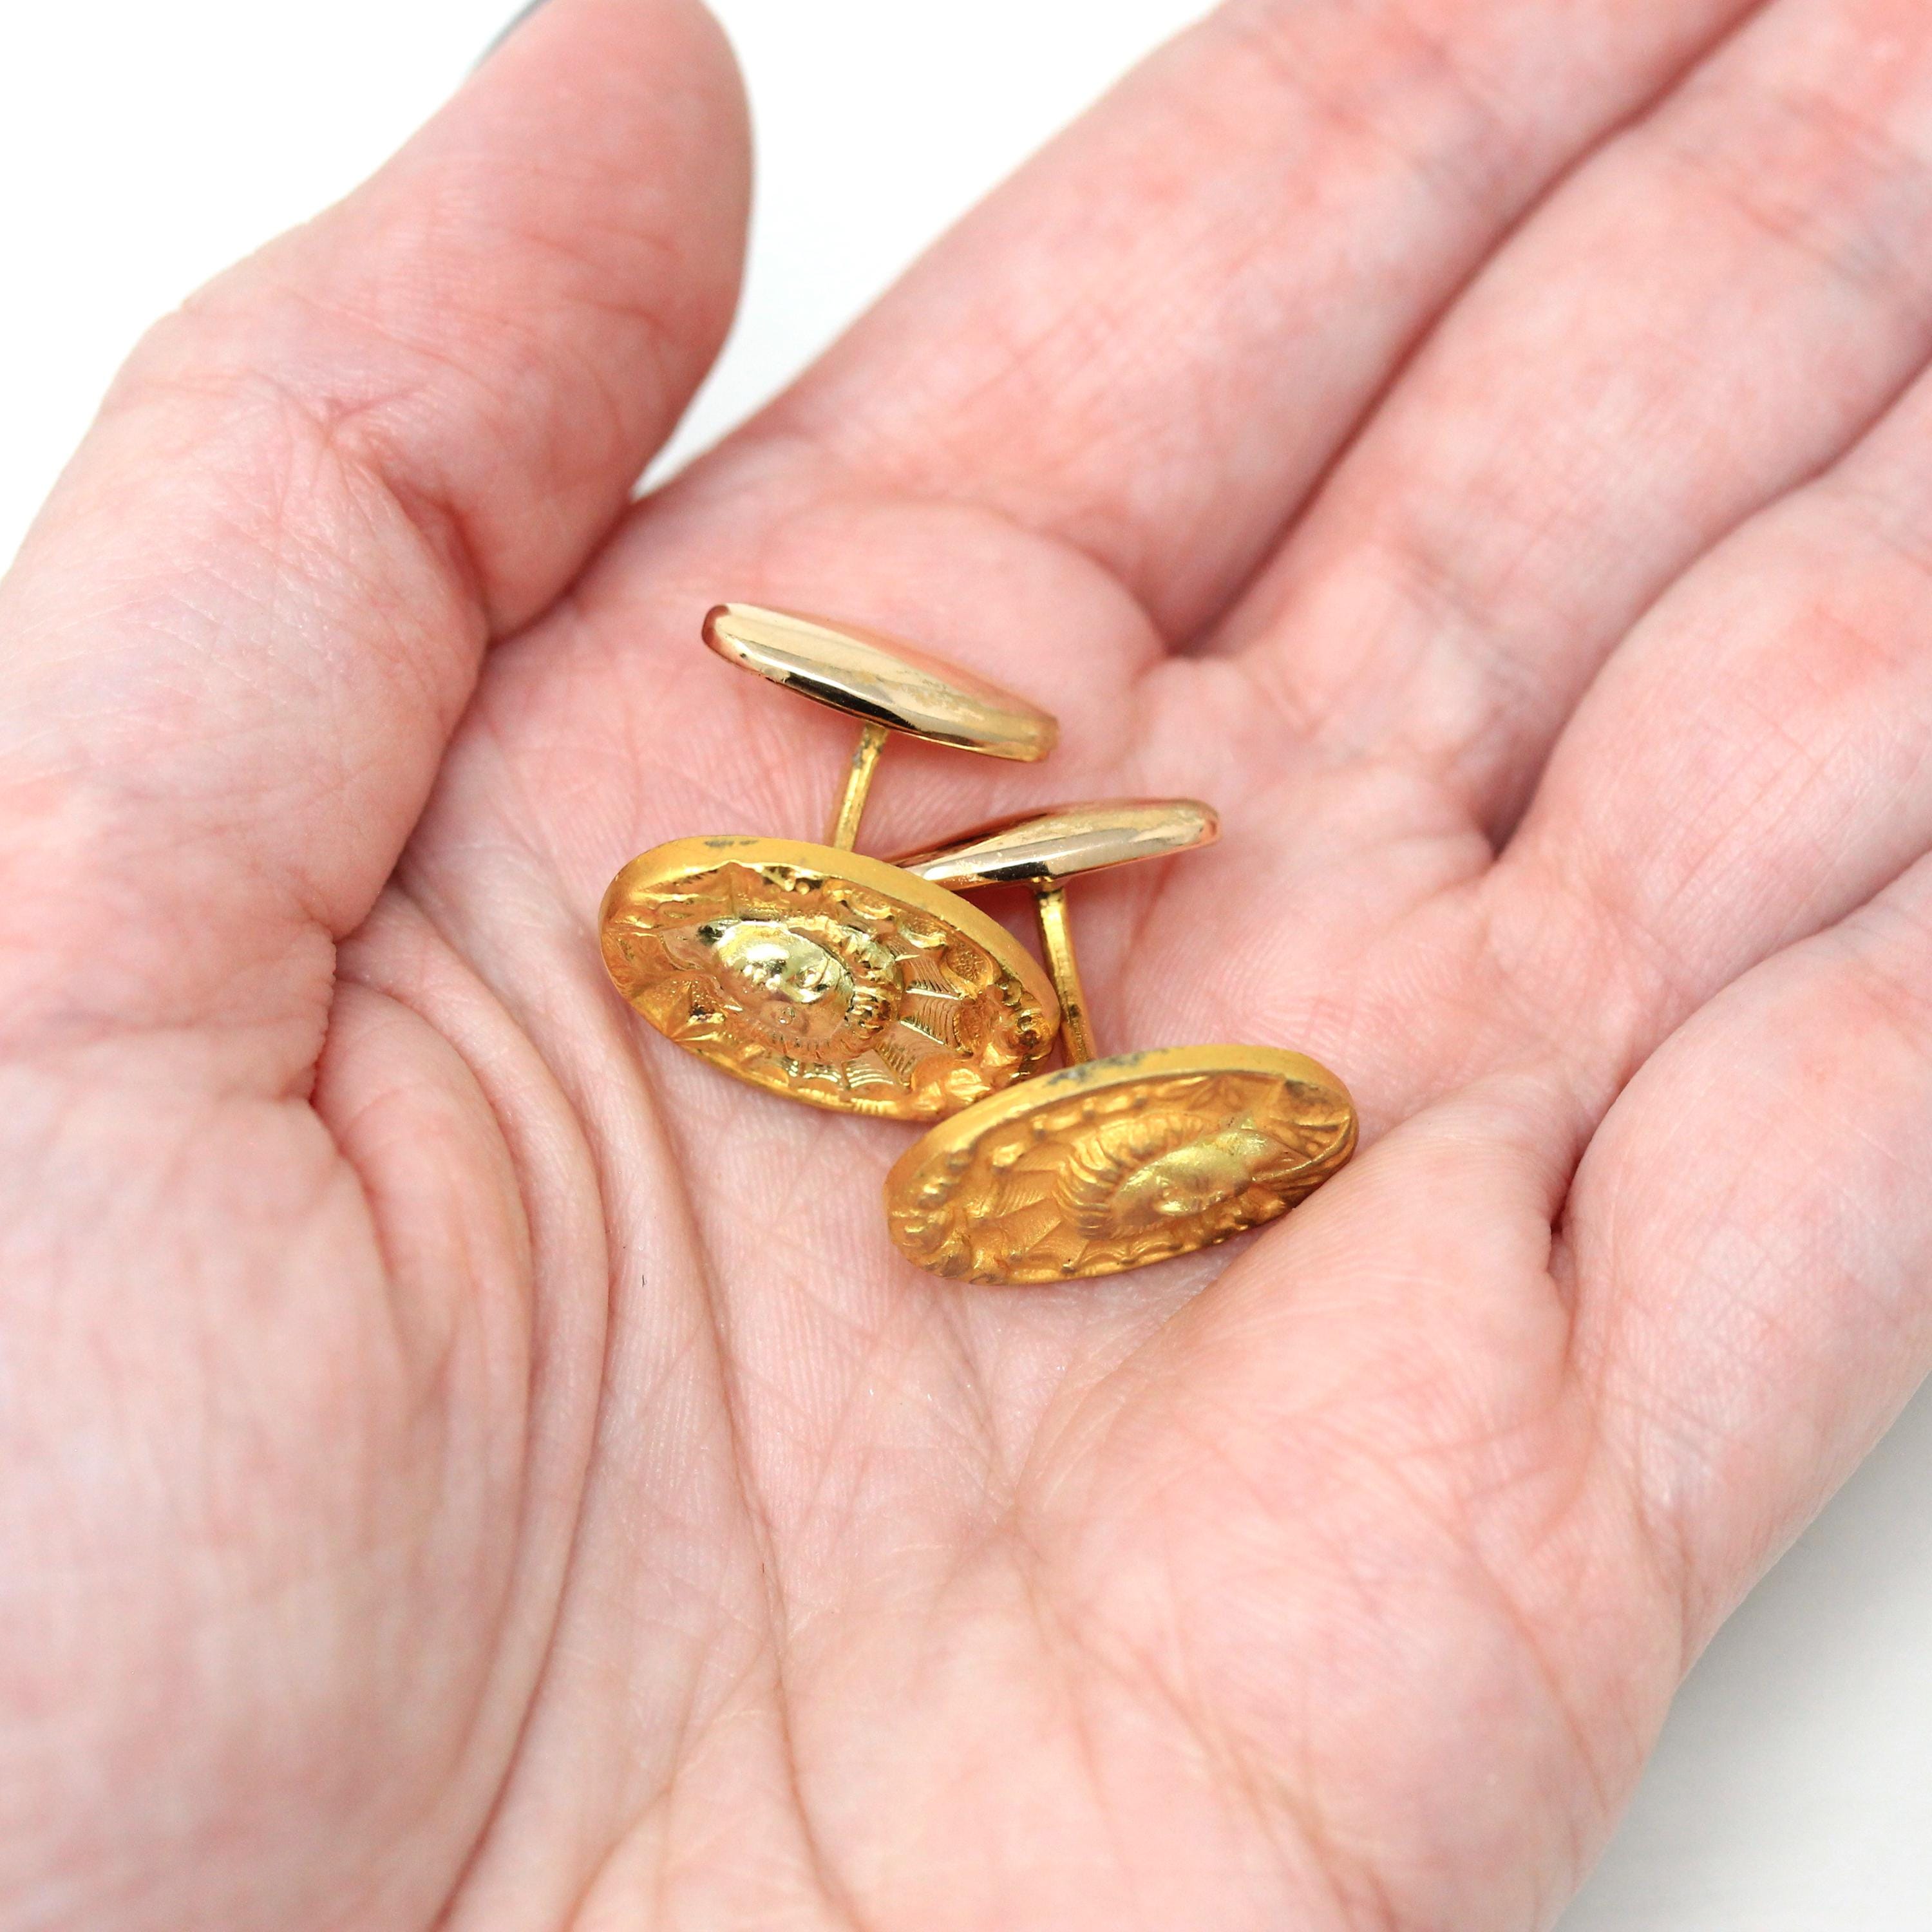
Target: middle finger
<point>1712,309</point>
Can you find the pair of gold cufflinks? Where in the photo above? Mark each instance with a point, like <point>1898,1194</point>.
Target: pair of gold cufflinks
<point>875,987</point>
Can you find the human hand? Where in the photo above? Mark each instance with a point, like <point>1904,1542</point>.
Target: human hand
<point>467,1464</point>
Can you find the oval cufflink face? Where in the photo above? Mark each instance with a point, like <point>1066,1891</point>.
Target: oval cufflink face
<point>827,977</point>
<point>1037,848</point>
<point>881,680</point>
<point>1118,1163</point>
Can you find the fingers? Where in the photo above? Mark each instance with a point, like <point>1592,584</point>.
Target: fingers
<point>1753,1227</point>
<point>1752,765</point>
<point>246,622</point>
<point>1153,341</point>
<point>1711,310</point>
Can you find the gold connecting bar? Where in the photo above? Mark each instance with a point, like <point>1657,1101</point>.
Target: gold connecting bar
<point>1057,942</point>
<point>1045,849</point>
<point>844,832</point>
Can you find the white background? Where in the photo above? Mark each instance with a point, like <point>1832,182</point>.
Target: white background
<point>143,145</point>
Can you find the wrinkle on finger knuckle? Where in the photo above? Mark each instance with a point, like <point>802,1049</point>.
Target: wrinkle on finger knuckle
<point>1829,167</point>
<point>1396,78</point>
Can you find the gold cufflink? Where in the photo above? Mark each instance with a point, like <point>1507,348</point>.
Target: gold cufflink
<point>809,969</point>
<point>1107,1164</point>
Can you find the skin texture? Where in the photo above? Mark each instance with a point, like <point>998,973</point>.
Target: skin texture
<point>464,1464</point>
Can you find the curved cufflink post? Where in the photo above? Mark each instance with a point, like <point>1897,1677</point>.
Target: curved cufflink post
<point>1116,1163</point>
<point>809,969</point>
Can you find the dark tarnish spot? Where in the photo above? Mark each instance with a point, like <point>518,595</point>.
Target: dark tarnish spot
<point>1112,1064</point>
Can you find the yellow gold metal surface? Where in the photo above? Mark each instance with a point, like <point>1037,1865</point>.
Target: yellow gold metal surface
<point>832,978</point>
<point>1041,847</point>
<point>1110,1164</point>
<point>844,833</point>
<point>880,681</point>
<point>809,971</point>
<point>1056,941</point>
<point>1118,1163</point>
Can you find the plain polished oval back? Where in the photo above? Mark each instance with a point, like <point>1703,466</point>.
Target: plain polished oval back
<point>877,678</point>
<point>1039,847</point>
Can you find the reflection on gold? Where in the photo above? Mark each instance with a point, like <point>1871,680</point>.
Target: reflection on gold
<point>847,991</point>
<point>1133,1174</point>
<point>1116,1163</point>
<point>820,991</point>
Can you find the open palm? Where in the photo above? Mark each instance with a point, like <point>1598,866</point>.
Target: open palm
<point>468,1464</point>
